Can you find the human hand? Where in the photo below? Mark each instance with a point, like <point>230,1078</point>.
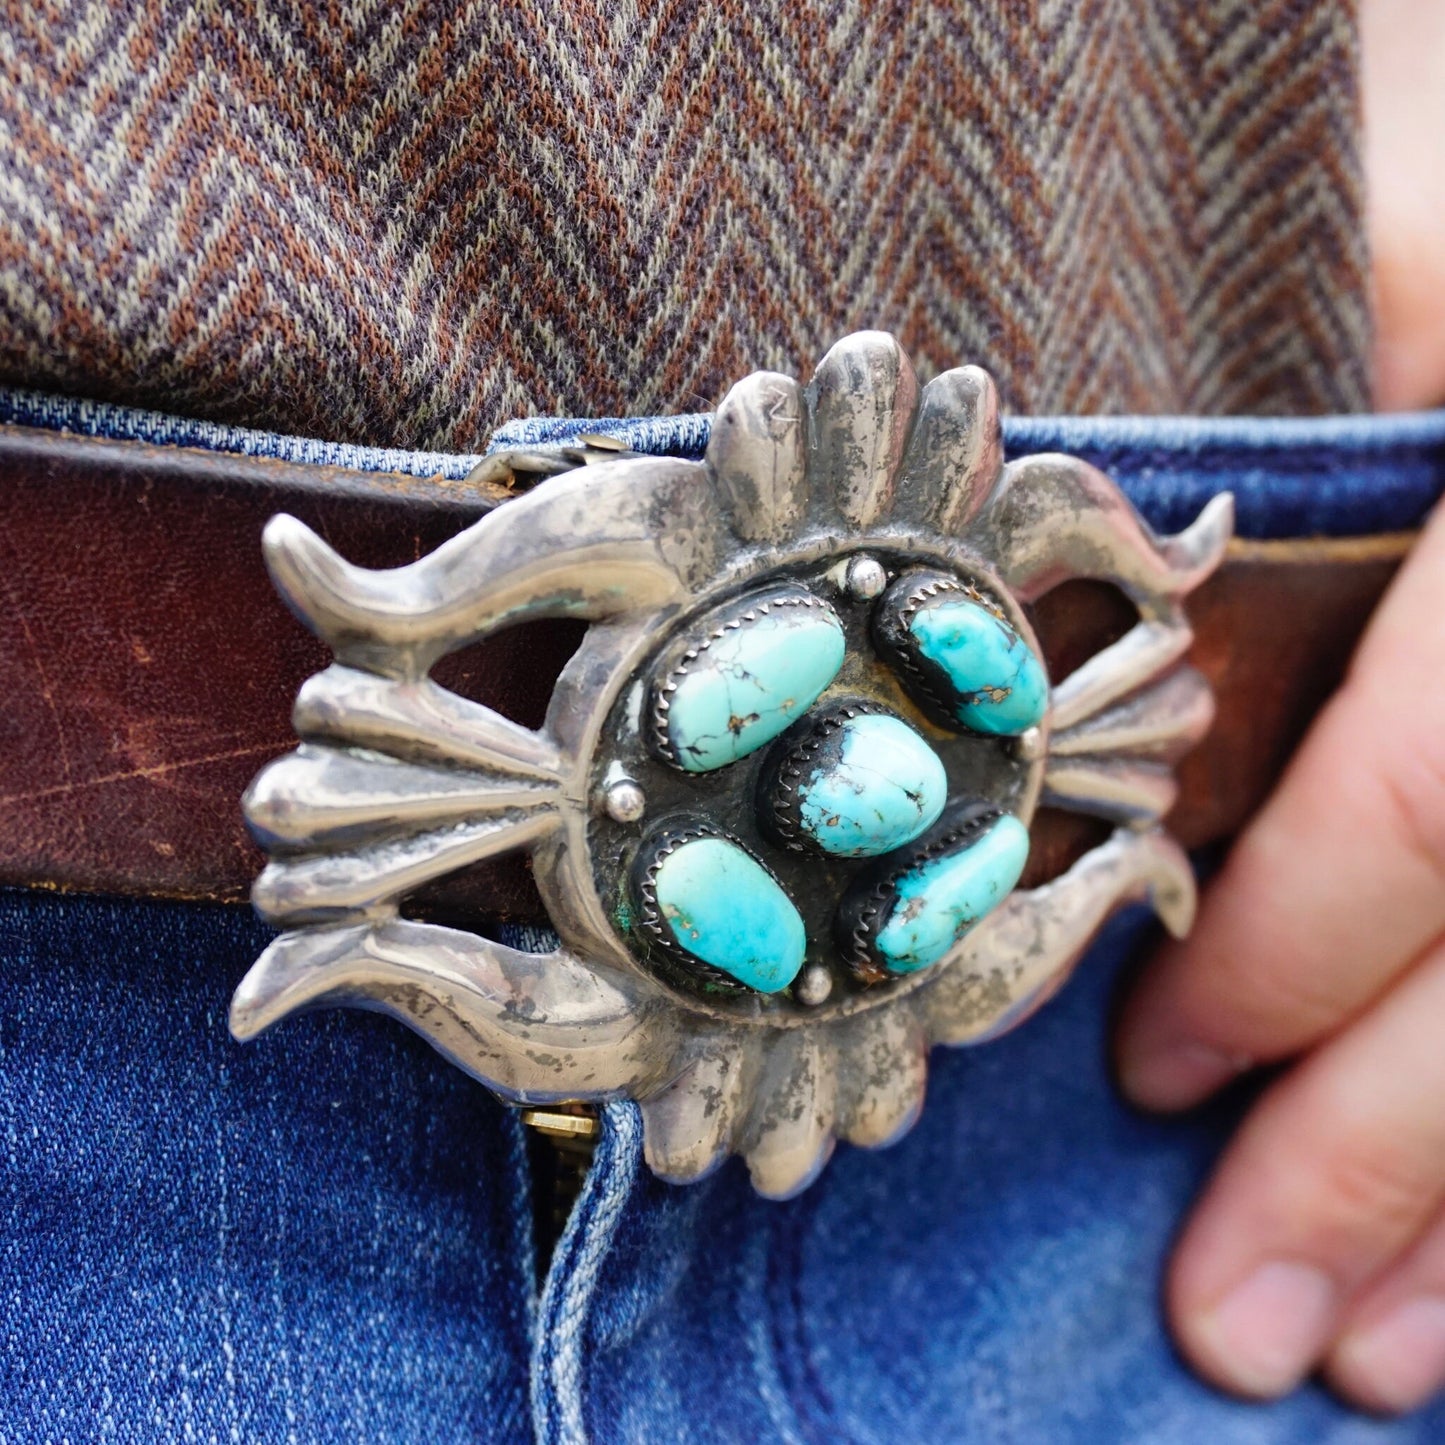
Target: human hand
<point>1321,1240</point>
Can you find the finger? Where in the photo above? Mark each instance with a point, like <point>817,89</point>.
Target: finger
<point>1390,1355</point>
<point>1333,1175</point>
<point>1336,885</point>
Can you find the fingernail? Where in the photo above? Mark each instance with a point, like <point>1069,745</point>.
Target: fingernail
<point>1399,1361</point>
<point>1266,1333</point>
<point>1178,1074</point>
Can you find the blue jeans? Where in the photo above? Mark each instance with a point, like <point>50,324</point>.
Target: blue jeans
<point>326,1235</point>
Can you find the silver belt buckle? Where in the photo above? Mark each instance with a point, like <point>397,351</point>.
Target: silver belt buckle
<point>781,800</point>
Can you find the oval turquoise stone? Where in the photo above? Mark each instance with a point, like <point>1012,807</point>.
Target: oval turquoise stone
<point>937,902</point>
<point>724,907</point>
<point>878,787</point>
<point>750,684</point>
<point>1001,684</point>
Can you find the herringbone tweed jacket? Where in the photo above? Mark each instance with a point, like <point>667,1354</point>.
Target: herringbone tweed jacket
<point>403,221</point>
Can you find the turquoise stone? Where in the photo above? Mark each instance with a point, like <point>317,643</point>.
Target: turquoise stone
<point>750,684</point>
<point>937,902</point>
<point>725,908</point>
<point>1001,684</point>
<point>880,786</point>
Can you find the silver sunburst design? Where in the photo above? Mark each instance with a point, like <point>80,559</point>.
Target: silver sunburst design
<point>762,934</point>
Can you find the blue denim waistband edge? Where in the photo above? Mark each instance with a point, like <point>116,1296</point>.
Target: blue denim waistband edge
<point>1292,476</point>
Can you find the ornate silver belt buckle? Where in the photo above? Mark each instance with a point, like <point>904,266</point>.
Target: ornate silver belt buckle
<point>781,800</point>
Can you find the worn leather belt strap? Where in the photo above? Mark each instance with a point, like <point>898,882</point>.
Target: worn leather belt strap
<point>148,668</point>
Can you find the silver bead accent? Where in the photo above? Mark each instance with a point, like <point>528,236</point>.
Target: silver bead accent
<point>814,986</point>
<point>625,801</point>
<point>866,578</point>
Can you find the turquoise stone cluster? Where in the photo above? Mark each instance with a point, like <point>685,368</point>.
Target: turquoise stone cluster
<point>845,779</point>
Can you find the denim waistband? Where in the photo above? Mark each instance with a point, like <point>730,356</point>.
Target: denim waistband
<point>1292,477</point>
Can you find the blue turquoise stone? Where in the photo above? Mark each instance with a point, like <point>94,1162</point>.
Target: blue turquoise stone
<point>1000,681</point>
<point>750,684</point>
<point>722,906</point>
<point>937,902</point>
<point>880,789</point>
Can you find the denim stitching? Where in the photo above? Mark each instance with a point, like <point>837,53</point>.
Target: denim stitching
<point>812,1404</point>
<point>760,1329</point>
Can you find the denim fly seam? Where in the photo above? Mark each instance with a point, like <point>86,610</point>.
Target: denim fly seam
<point>559,1355</point>
<point>795,1399</point>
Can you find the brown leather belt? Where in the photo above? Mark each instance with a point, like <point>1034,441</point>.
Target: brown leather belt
<point>148,667</point>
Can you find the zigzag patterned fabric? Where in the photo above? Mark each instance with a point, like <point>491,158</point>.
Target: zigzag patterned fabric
<point>401,223</point>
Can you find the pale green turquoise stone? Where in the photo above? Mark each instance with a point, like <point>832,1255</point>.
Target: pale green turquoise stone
<point>1001,682</point>
<point>886,787</point>
<point>939,901</point>
<point>725,908</point>
<point>751,684</point>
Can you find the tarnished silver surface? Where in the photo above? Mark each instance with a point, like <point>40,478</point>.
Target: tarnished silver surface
<point>834,486</point>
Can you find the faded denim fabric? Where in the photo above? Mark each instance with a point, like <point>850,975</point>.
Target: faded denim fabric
<point>324,1238</point>
<point>993,1279</point>
<point>326,1235</point>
